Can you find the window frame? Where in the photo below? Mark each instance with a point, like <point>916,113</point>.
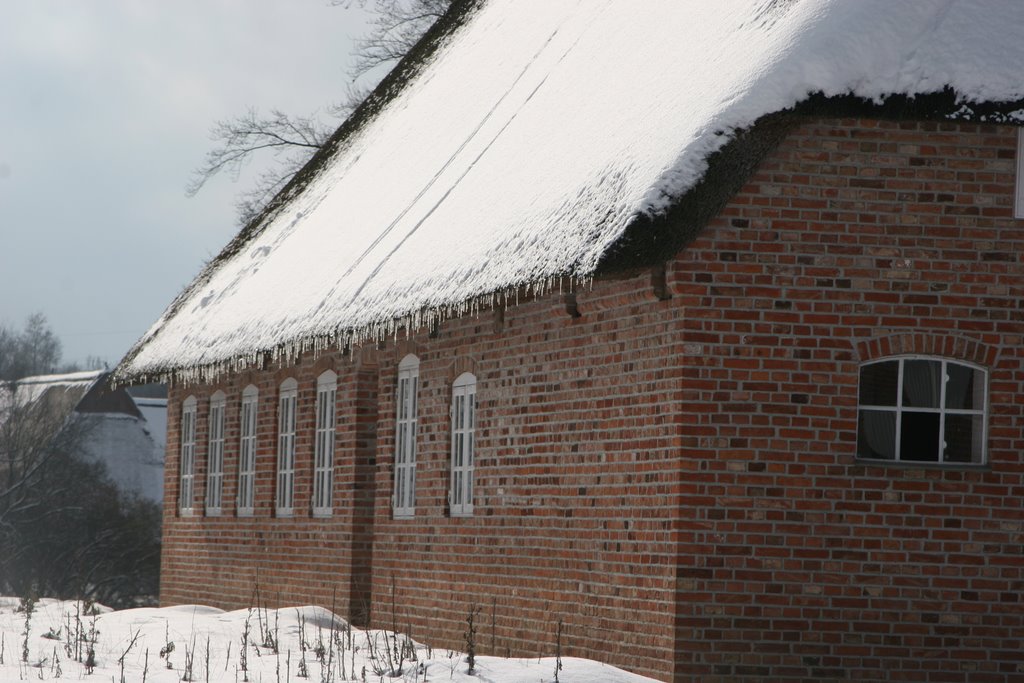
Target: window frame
<point>463,446</point>
<point>324,436</point>
<point>214,496</point>
<point>403,497</point>
<point>187,456</point>
<point>287,405</point>
<point>942,411</point>
<point>248,421</point>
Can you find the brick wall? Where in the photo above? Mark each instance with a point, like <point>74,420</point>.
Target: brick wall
<point>574,494</point>
<point>675,479</point>
<point>854,241</point>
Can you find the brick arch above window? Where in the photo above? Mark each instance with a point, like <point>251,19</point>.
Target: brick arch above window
<point>247,377</point>
<point>951,346</point>
<point>462,365</point>
<point>407,347</point>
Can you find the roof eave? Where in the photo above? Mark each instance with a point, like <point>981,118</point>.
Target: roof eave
<point>653,240</point>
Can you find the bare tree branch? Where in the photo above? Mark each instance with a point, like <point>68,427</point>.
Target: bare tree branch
<point>292,140</point>
<point>297,138</point>
<point>397,27</point>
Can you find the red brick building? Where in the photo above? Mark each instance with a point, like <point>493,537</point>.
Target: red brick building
<point>774,434</point>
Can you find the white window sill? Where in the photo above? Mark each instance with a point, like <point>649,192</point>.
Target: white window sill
<point>922,464</point>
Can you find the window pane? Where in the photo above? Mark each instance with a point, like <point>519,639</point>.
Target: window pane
<point>400,453</point>
<point>876,437</point>
<point>960,389</point>
<point>964,434</point>
<point>922,383</point>
<point>412,403</point>
<point>403,398</point>
<point>878,383</point>
<point>919,437</point>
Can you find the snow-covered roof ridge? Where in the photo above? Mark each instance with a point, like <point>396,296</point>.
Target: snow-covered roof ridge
<point>30,389</point>
<point>62,378</point>
<point>532,138</point>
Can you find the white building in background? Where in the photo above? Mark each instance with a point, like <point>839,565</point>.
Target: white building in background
<point>126,433</point>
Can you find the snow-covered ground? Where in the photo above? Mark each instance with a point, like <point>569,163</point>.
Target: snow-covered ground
<point>156,645</point>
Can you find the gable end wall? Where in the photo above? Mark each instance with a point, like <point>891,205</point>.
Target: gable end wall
<point>855,240</point>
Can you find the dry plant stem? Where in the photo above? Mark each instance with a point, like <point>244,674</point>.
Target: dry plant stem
<point>55,669</point>
<point>330,655</point>
<point>352,666</point>
<point>131,644</point>
<point>28,606</point>
<point>558,650</point>
<point>470,637</point>
<point>243,653</point>
<point>190,655</point>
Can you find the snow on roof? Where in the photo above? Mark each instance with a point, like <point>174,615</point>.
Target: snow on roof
<point>74,384</point>
<point>58,393</point>
<point>527,143</point>
<point>85,376</point>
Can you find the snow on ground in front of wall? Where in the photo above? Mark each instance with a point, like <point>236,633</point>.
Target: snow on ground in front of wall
<point>190,627</point>
<point>532,138</point>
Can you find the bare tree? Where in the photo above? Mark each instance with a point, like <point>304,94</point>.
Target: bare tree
<point>292,140</point>
<point>34,350</point>
<point>65,528</point>
<point>32,432</point>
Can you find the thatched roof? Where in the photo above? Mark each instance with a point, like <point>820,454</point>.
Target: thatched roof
<point>529,143</point>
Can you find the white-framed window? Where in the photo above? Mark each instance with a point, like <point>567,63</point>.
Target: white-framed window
<point>247,451</point>
<point>215,455</point>
<point>285,498</point>
<point>323,444</point>
<point>1018,202</point>
<point>460,496</point>
<point>187,463</point>
<point>404,498</point>
<point>922,409</point>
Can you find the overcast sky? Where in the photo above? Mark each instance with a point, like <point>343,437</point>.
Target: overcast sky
<point>105,110</point>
